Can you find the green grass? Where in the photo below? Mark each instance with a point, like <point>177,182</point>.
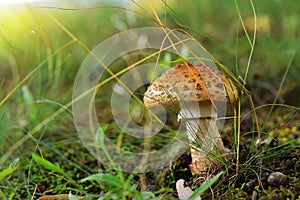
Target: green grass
<point>41,50</point>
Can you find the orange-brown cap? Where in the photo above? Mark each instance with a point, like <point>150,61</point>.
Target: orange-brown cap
<point>190,83</point>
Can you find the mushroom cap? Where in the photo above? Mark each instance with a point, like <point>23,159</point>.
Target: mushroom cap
<point>190,83</point>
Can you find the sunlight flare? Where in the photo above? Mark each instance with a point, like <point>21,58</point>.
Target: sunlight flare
<point>9,2</point>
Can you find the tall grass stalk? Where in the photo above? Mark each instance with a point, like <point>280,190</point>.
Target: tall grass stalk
<point>281,84</point>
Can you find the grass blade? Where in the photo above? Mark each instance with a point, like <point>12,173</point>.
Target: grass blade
<point>6,172</point>
<point>107,178</point>
<point>52,167</point>
<point>29,101</point>
<point>47,164</point>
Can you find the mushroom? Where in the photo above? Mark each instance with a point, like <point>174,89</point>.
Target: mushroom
<point>198,89</point>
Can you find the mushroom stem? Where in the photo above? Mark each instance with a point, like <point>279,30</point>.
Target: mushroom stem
<point>203,134</point>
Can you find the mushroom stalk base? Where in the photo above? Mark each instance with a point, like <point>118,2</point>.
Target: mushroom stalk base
<point>205,142</point>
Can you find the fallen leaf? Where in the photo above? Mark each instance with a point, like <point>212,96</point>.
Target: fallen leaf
<point>184,192</point>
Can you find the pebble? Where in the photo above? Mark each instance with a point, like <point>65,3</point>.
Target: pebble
<point>276,179</point>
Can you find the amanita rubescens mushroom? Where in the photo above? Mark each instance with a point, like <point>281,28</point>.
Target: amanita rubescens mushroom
<point>197,88</point>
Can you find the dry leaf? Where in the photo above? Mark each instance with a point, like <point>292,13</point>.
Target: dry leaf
<point>184,192</point>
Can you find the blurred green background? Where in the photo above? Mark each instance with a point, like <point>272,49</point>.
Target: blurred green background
<point>33,40</point>
<point>29,37</point>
